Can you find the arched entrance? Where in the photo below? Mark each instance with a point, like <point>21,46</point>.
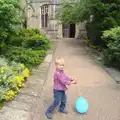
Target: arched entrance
<point>68,30</point>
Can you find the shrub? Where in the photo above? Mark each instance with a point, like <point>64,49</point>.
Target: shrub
<point>102,17</point>
<point>111,55</point>
<point>3,93</point>
<point>29,38</point>
<point>11,80</point>
<point>10,17</point>
<point>24,55</point>
<point>29,32</point>
<point>3,61</point>
<point>36,42</point>
<point>27,46</point>
<point>16,40</point>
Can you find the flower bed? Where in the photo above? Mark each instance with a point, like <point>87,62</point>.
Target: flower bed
<point>11,80</point>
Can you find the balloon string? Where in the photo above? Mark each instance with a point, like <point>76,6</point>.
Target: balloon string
<point>78,90</point>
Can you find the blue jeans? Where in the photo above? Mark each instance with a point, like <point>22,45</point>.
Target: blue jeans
<point>59,99</point>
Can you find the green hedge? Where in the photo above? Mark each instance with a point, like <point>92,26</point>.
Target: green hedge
<point>102,17</point>
<point>26,56</point>
<point>27,46</point>
<point>29,38</point>
<point>111,55</point>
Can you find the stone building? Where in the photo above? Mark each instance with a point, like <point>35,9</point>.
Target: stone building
<point>41,14</point>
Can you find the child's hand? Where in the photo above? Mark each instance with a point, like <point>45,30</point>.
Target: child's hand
<point>73,81</point>
<point>67,86</point>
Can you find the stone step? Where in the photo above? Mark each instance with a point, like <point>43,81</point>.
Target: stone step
<point>50,33</point>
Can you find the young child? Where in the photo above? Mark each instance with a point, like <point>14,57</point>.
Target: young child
<point>61,80</point>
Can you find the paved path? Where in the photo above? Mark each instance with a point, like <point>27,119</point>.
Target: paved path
<point>102,93</point>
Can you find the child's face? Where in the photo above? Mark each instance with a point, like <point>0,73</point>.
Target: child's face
<point>60,65</point>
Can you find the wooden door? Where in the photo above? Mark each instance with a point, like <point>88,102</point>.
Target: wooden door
<point>66,30</point>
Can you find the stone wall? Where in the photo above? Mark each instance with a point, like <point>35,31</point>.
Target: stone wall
<point>81,31</point>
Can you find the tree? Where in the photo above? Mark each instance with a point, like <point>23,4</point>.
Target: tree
<point>73,12</point>
<point>100,15</point>
<point>10,18</point>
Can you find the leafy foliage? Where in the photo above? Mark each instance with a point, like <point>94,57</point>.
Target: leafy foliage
<point>100,15</point>
<point>112,52</point>
<point>27,46</point>
<point>9,17</point>
<point>30,38</point>
<point>74,11</point>
<point>11,80</point>
<point>27,56</point>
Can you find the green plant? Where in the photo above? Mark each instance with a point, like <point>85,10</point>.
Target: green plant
<point>24,55</point>
<point>10,17</point>
<point>16,39</point>
<point>29,32</point>
<point>37,42</point>
<point>29,38</point>
<point>111,55</point>
<point>3,61</point>
<point>104,17</point>
<point>11,80</point>
<point>3,93</point>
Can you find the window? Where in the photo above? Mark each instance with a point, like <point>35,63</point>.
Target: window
<point>44,15</point>
<point>29,13</point>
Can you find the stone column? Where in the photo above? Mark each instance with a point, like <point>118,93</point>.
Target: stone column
<point>77,30</point>
<point>60,30</point>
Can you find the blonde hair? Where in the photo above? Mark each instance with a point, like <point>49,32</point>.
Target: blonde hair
<point>59,60</point>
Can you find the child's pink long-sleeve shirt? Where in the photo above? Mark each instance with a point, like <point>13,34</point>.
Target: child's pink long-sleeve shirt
<point>61,80</point>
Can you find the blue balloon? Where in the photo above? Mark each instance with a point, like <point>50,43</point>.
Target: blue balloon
<point>82,105</point>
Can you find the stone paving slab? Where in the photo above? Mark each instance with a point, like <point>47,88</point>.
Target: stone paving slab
<point>114,73</point>
<point>26,98</point>
<point>20,105</point>
<point>48,58</point>
<point>31,92</point>
<point>14,114</point>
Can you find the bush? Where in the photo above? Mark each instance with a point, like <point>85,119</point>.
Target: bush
<point>11,80</point>
<point>111,55</point>
<point>27,46</point>
<point>10,17</point>
<point>27,32</point>
<point>29,38</point>
<point>3,61</point>
<point>36,42</point>
<point>102,17</point>
<point>27,56</point>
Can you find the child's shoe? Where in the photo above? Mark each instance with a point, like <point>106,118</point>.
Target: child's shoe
<point>63,111</point>
<point>48,115</point>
